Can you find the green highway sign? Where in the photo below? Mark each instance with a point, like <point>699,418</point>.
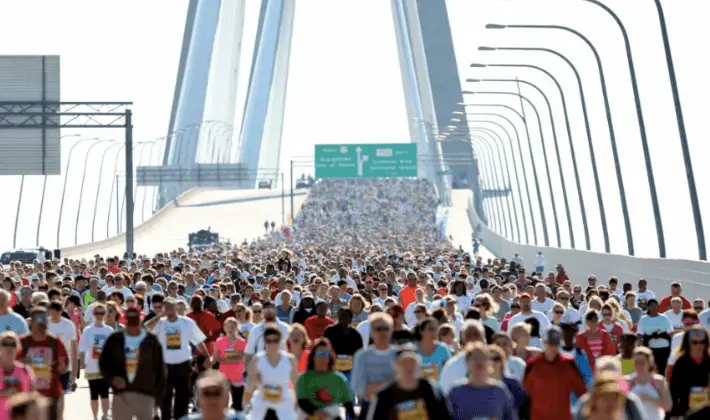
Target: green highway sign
<point>389,160</point>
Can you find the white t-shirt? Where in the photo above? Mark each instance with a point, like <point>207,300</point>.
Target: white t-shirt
<point>544,306</point>
<point>409,315</point>
<point>675,318</point>
<point>65,331</point>
<point>642,298</point>
<point>176,337</point>
<point>704,318</point>
<point>125,290</point>
<point>649,325</point>
<point>91,344</point>
<point>255,342</point>
<point>541,319</point>
<point>132,347</point>
<point>245,329</point>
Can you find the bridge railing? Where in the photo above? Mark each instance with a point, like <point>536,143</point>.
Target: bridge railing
<point>694,276</point>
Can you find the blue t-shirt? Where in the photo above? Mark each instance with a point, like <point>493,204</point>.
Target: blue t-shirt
<point>13,322</point>
<point>516,390</point>
<point>493,401</point>
<point>438,358</point>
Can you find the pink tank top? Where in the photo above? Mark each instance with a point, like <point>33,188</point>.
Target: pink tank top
<point>231,358</point>
<point>18,380</point>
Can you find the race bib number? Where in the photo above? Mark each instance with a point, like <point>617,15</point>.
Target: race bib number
<point>40,359</point>
<point>98,345</point>
<point>431,372</point>
<point>10,385</point>
<point>354,324</point>
<point>173,339</point>
<point>131,363</point>
<point>698,397</point>
<point>412,410</point>
<point>343,363</point>
<point>272,393</point>
<point>233,355</point>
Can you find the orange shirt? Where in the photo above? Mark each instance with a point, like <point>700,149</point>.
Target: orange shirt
<point>303,361</point>
<point>406,295</point>
<point>209,326</point>
<point>316,325</point>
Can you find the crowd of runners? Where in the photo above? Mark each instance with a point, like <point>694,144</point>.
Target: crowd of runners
<point>363,309</point>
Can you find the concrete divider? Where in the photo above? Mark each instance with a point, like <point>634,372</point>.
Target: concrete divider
<point>660,273</point>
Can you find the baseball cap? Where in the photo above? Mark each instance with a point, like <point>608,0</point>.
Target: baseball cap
<point>553,336</point>
<point>525,296</point>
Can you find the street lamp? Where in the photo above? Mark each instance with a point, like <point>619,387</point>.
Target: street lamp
<point>41,203</point>
<point>642,129</point>
<point>543,216</point>
<point>492,181</point>
<point>81,188</point>
<point>507,165</point>
<point>498,145</point>
<point>572,150</point>
<point>66,177</point>
<point>592,153</point>
<point>557,155</point>
<point>694,202</point>
<point>544,152</point>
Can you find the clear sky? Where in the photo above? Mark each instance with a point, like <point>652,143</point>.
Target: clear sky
<point>344,86</point>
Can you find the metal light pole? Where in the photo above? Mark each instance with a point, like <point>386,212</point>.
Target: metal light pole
<point>590,143</point>
<point>559,159</point>
<point>283,201</point>
<point>544,153</point>
<point>692,190</point>
<point>98,186</point>
<point>81,188</point>
<point>580,196</point>
<point>493,206</point>
<point>41,203</point>
<point>293,216</point>
<point>500,147</point>
<point>150,160</point>
<point>522,160</point>
<point>500,176</point>
<point>64,189</point>
<point>649,169</point>
<point>115,174</point>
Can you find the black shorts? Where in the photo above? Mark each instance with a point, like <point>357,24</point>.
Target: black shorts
<point>98,388</point>
<point>64,379</point>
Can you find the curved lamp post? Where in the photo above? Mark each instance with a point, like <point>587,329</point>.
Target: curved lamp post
<point>543,216</point>
<point>41,202</point>
<point>98,186</point>
<point>592,153</point>
<point>498,146</point>
<point>493,205</point>
<point>135,191</point>
<point>500,150</point>
<point>66,177</point>
<point>81,188</point>
<point>572,152</point>
<point>508,166</point>
<point>544,153</point>
<point>687,161</point>
<point>150,159</point>
<point>557,155</point>
<point>644,143</point>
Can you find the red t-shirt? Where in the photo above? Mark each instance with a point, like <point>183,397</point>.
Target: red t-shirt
<point>114,269</point>
<point>209,326</point>
<point>316,325</point>
<point>39,356</point>
<point>665,304</point>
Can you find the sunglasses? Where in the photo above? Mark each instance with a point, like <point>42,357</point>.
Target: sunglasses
<point>381,329</point>
<point>559,312</point>
<point>697,342</point>
<point>211,393</point>
<point>41,319</point>
<point>99,313</point>
<point>322,353</point>
<point>698,309</point>
<point>256,312</point>
<point>8,344</point>
<point>272,341</point>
